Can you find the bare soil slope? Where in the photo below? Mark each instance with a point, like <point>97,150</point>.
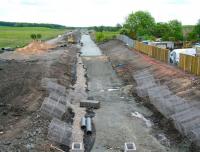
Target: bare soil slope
<point>21,95</point>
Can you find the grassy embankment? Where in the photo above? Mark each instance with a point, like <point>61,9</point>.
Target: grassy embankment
<point>105,36</point>
<point>20,36</point>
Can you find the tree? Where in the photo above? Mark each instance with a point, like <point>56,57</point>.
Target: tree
<point>119,25</point>
<point>197,29</point>
<point>141,23</point>
<point>162,30</point>
<point>33,36</point>
<point>38,36</point>
<point>194,35</point>
<point>175,30</point>
<point>172,30</point>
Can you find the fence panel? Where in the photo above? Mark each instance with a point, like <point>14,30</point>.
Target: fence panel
<point>190,63</point>
<point>186,62</point>
<point>153,51</point>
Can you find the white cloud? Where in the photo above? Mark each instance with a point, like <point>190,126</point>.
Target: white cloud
<point>96,12</point>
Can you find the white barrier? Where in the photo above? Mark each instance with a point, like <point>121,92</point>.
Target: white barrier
<point>126,40</point>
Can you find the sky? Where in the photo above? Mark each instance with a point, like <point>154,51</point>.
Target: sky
<point>96,12</point>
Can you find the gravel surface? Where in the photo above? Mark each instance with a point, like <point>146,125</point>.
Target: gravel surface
<point>114,121</point>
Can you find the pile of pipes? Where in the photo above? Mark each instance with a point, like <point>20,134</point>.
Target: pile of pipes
<point>184,114</point>
<point>86,124</point>
<point>54,107</point>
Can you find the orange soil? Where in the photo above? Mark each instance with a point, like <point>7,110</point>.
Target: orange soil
<point>35,47</point>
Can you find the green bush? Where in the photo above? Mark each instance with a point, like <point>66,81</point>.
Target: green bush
<point>105,36</point>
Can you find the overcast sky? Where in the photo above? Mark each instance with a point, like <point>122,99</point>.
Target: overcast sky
<point>96,12</point>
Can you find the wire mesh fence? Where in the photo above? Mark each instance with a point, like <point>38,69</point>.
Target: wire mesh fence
<point>184,114</point>
<point>52,108</point>
<point>194,135</point>
<point>144,80</point>
<point>54,87</point>
<point>60,99</point>
<point>60,132</point>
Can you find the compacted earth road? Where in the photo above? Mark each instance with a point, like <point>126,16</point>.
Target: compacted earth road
<point>120,119</point>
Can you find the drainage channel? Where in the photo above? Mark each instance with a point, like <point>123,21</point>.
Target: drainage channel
<point>79,93</point>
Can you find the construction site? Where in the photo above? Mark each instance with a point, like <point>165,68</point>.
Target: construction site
<point>69,94</point>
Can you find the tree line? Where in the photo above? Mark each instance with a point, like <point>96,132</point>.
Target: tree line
<point>17,24</point>
<point>141,25</point>
<point>105,28</point>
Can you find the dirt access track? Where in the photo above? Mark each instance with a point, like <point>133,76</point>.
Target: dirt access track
<point>21,94</point>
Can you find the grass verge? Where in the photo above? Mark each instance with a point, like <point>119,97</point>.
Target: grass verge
<point>105,36</point>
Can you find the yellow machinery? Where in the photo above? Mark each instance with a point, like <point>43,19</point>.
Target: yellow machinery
<point>71,38</point>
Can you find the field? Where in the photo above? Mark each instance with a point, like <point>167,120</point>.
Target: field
<point>105,36</point>
<point>20,36</point>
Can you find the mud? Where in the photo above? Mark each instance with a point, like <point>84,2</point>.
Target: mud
<point>114,122</point>
<point>21,95</point>
<point>126,61</point>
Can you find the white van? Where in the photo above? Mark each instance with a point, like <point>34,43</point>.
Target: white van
<point>175,54</point>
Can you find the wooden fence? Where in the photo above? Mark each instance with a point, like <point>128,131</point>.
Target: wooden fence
<point>190,63</point>
<point>153,51</point>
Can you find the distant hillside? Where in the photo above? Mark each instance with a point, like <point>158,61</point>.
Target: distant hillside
<point>18,24</point>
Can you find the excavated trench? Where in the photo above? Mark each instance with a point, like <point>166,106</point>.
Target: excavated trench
<point>123,117</point>
<point>126,63</point>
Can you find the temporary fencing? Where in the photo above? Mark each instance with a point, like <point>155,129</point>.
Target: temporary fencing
<point>126,40</point>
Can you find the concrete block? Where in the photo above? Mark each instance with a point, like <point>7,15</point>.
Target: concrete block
<point>77,147</point>
<point>90,104</point>
<point>129,147</point>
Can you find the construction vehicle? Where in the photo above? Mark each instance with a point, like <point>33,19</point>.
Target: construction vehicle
<point>71,38</point>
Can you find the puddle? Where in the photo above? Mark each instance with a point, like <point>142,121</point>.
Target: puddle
<point>89,47</point>
<point>112,90</point>
<point>140,116</point>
